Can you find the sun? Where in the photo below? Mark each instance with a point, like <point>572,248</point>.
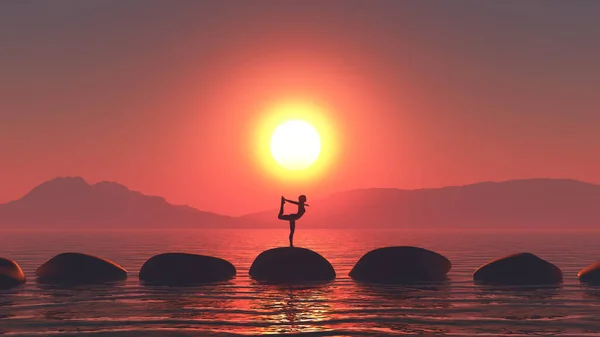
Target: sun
<point>294,141</point>
<point>295,145</point>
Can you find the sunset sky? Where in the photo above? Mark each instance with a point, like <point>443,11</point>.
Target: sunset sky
<point>170,97</point>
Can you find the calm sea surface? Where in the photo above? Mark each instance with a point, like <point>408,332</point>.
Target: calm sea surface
<point>242,307</point>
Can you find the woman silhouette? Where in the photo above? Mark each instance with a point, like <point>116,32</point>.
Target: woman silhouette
<point>293,217</point>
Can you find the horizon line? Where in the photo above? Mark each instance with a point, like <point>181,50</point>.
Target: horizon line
<point>318,197</point>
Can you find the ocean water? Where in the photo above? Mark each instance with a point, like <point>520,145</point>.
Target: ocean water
<point>242,307</point>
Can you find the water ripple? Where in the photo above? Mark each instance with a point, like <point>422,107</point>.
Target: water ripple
<point>243,307</point>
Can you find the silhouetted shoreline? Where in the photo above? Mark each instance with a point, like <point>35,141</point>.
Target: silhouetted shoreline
<point>527,204</point>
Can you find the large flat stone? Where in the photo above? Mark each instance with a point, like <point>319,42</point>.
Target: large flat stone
<point>291,265</point>
<point>79,268</point>
<point>185,269</point>
<point>590,274</point>
<point>401,264</point>
<point>518,269</point>
<point>11,274</point>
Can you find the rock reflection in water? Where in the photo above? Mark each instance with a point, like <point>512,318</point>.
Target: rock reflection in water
<point>540,294</point>
<point>406,309</point>
<point>293,308</point>
<point>83,302</point>
<point>417,295</point>
<point>6,303</point>
<point>205,302</point>
<point>591,292</point>
<point>531,310</point>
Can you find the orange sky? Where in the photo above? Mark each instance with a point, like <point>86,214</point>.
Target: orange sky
<point>166,99</point>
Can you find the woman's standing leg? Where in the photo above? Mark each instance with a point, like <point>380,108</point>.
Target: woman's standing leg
<point>292,229</point>
<point>280,216</point>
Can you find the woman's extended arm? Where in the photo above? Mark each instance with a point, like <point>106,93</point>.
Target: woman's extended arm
<point>292,201</point>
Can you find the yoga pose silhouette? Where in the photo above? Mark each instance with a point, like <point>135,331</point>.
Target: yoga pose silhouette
<point>293,217</point>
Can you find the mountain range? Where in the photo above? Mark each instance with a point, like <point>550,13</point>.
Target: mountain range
<point>516,204</point>
<point>71,202</point>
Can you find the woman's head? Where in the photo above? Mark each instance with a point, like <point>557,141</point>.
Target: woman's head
<point>302,198</point>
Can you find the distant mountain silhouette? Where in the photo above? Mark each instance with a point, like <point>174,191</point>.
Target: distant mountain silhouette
<point>515,204</point>
<point>73,203</point>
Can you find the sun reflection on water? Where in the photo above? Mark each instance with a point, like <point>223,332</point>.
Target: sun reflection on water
<point>293,309</point>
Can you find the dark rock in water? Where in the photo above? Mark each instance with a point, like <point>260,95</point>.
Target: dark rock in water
<point>590,274</point>
<point>518,269</point>
<point>78,268</point>
<point>184,269</point>
<point>397,265</point>
<point>291,265</point>
<point>11,274</point>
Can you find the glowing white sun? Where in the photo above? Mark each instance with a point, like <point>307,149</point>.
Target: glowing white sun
<point>295,145</point>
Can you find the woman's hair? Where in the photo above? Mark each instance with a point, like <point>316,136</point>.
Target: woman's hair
<point>302,198</point>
